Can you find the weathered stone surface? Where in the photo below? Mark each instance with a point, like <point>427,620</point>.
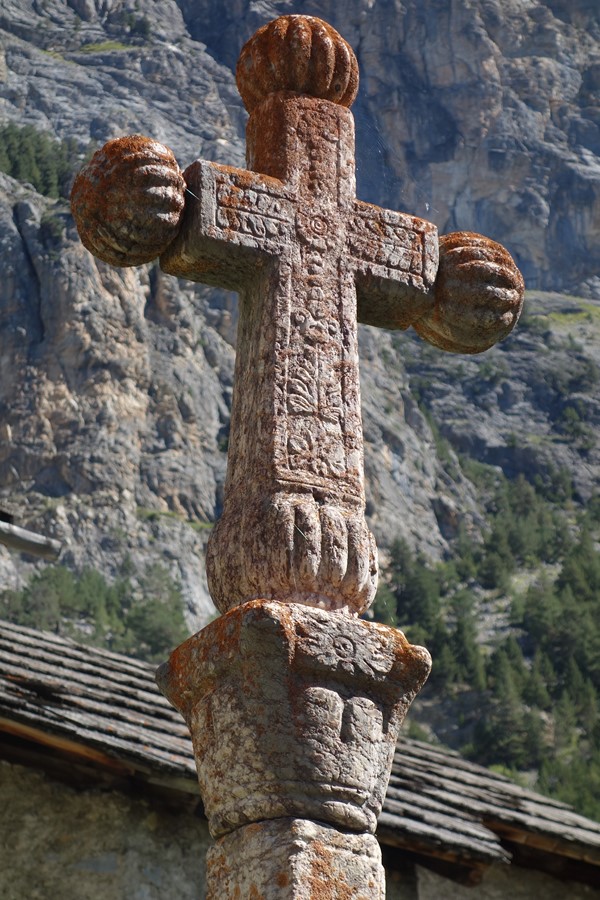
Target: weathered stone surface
<point>478,295</point>
<point>301,54</point>
<point>92,843</point>
<point>499,882</point>
<point>307,861</point>
<point>293,711</point>
<point>293,240</point>
<point>127,202</point>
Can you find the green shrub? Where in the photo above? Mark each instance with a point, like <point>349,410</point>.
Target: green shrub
<point>140,614</point>
<point>33,157</point>
<point>539,687</point>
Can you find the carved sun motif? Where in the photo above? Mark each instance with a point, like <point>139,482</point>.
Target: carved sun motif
<point>334,649</point>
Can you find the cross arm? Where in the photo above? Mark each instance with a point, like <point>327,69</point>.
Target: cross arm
<point>462,293</point>
<point>395,259</point>
<point>233,219</point>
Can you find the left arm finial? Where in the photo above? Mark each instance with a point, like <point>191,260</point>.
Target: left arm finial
<point>128,201</point>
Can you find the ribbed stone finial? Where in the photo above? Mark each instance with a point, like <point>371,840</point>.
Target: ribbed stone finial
<point>301,54</point>
<point>128,201</point>
<point>478,298</point>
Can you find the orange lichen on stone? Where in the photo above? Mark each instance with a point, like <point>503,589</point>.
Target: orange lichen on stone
<point>306,861</point>
<point>128,201</point>
<point>293,711</point>
<point>301,54</point>
<point>479,295</point>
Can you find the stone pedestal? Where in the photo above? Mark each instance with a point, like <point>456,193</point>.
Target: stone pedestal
<point>293,711</point>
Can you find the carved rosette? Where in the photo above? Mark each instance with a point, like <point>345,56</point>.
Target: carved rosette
<point>128,201</point>
<point>478,295</point>
<point>293,711</point>
<point>301,54</point>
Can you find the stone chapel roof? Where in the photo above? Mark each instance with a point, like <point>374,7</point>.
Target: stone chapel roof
<point>100,713</point>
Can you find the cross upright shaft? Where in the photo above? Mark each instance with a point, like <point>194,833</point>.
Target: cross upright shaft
<point>315,363</point>
<point>290,235</point>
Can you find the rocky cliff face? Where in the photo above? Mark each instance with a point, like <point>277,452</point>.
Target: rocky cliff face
<point>486,116</point>
<point>115,385</point>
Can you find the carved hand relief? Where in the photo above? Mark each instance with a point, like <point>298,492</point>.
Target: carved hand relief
<point>319,554</point>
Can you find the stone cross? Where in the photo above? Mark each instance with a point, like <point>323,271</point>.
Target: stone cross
<point>290,236</point>
<point>294,704</point>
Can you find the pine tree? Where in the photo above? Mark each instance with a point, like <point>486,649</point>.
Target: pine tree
<point>535,690</point>
<point>144,619</point>
<point>467,653</point>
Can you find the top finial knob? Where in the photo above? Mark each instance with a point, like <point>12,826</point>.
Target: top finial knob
<point>301,54</point>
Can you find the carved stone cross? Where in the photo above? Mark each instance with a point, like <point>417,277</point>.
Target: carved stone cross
<point>294,705</point>
<point>309,260</point>
<point>293,240</point>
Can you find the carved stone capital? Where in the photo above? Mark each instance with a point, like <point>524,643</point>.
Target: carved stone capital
<point>293,711</point>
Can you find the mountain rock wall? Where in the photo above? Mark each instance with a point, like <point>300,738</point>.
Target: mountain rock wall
<point>115,385</point>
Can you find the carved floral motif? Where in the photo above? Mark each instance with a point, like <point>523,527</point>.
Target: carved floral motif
<point>332,648</point>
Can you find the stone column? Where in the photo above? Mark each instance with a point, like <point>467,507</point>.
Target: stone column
<point>293,702</point>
